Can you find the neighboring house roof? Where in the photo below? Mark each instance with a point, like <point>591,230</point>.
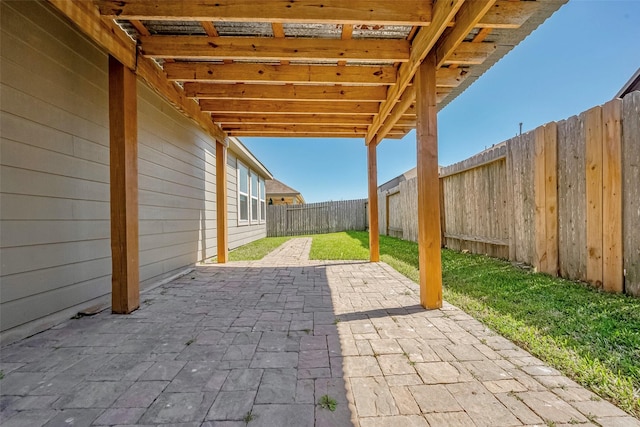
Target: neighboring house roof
<point>393,183</point>
<point>273,186</point>
<point>632,85</point>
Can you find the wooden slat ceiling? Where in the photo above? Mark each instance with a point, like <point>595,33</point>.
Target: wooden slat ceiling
<point>322,68</point>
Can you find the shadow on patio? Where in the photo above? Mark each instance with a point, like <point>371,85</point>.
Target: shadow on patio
<point>222,343</point>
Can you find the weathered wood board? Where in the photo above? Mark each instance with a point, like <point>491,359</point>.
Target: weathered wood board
<point>631,191</point>
<point>571,198</point>
<point>592,120</point>
<point>522,153</point>
<point>612,267</point>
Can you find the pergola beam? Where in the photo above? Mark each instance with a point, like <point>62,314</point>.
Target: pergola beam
<point>258,92</point>
<point>508,14</point>
<point>103,32</point>
<point>108,35</point>
<point>274,49</point>
<point>298,74</point>
<point>380,12</point>
<point>466,19</point>
<point>293,107</point>
<point>311,134</point>
<point>157,80</point>
<point>426,39</point>
<point>291,119</point>
<point>467,53</point>
<point>310,75</point>
<point>295,128</point>
<point>450,42</point>
<point>408,98</point>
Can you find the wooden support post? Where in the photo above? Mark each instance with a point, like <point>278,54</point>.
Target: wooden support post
<point>123,140</point>
<point>428,189</point>
<point>221,202</point>
<point>374,231</point>
<point>612,268</point>
<point>593,159</point>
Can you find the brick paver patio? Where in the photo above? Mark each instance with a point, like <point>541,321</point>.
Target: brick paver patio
<point>260,343</point>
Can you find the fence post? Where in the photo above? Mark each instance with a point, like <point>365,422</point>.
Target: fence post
<point>510,219</point>
<point>539,191</point>
<point>593,172</point>
<point>612,268</point>
<point>631,191</point>
<point>551,191</point>
<point>546,198</point>
<point>443,216</point>
<point>387,213</point>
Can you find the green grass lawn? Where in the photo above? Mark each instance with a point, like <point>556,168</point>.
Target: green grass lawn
<point>591,336</point>
<point>256,250</point>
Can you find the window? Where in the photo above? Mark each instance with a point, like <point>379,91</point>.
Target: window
<point>263,205</point>
<point>254,197</point>
<point>243,192</point>
<point>251,196</point>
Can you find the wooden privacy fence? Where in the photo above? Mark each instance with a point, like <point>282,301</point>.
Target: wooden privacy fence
<point>564,198</point>
<point>315,218</point>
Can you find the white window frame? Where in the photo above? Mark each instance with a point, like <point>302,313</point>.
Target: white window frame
<point>254,189</point>
<point>260,217</point>
<point>241,193</point>
<point>262,203</point>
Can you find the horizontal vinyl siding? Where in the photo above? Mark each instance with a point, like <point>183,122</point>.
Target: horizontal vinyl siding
<point>176,189</point>
<point>54,166</point>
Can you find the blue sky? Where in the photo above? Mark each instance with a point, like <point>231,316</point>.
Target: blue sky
<point>577,59</point>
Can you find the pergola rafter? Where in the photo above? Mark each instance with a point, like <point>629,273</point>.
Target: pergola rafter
<point>380,12</point>
<point>270,73</point>
<point>318,68</point>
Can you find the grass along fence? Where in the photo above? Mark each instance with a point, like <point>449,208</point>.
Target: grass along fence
<point>564,198</point>
<point>315,218</point>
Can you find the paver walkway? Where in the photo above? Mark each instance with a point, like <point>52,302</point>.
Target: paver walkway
<point>262,342</point>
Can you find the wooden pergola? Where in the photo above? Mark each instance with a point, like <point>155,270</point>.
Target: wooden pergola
<point>369,69</point>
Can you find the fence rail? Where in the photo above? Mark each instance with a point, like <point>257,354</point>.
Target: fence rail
<point>315,218</point>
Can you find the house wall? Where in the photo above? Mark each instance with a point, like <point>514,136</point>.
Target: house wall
<point>54,175</point>
<point>177,180</point>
